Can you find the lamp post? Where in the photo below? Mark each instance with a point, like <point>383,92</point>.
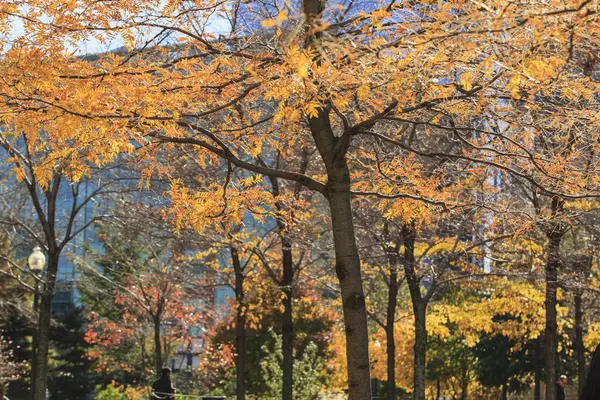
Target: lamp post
<point>36,262</point>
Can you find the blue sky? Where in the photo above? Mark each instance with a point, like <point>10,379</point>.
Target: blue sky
<point>216,25</point>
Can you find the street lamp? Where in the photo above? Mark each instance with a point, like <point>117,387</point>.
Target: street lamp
<point>37,262</point>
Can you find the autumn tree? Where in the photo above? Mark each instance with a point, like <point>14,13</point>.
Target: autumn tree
<point>313,319</point>
<point>288,214</point>
<point>342,78</point>
<point>144,291</point>
<point>579,276</point>
<point>57,206</point>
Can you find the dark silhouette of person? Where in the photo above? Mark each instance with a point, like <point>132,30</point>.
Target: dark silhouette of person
<point>591,388</point>
<point>560,387</point>
<point>162,388</point>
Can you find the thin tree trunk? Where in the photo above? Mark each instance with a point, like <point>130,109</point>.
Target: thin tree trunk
<point>555,234</point>
<point>389,333</point>
<point>48,222</point>
<point>288,324</point>
<point>551,346</point>
<point>505,367</point>
<point>43,343</point>
<point>287,335</point>
<point>465,383</point>
<point>393,288</point>
<point>419,310</point>
<point>34,334</point>
<point>143,351</point>
<point>240,326</point>
<point>158,361</point>
<point>43,328</point>
<point>537,390</point>
<point>580,347</point>
<point>438,390</point>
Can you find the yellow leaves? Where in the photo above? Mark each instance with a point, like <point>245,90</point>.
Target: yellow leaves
<point>341,102</point>
<point>514,86</point>
<point>535,71</point>
<point>378,41</point>
<point>213,207</point>
<point>251,180</point>
<point>466,80</point>
<point>363,92</point>
<point>581,205</point>
<point>299,61</point>
<point>288,115</point>
<point>302,64</point>
<point>541,70</point>
<point>19,174</point>
<point>380,13</point>
<point>312,108</point>
<point>404,341</point>
<point>529,245</point>
<point>269,23</point>
<point>377,17</point>
<point>280,19</point>
<point>520,304</point>
<point>592,338</point>
<point>129,42</point>
<point>192,208</point>
<point>443,246</point>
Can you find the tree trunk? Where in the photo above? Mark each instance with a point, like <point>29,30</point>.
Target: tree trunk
<point>393,287</point>
<point>551,346</point>
<point>143,351</point>
<point>464,383</point>
<point>158,361</point>
<point>240,326</point>
<point>287,335</point>
<point>537,389</point>
<point>333,151</point>
<point>349,274</point>
<point>389,333</point>
<point>43,328</point>
<point>419,310</point>
<point>34,334</point>
<point>43,343</point>
<point>347,262</point>
<point>579,346</point>
<point>288,324</point>
<point>505,367</point>
<point>554,233</point>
